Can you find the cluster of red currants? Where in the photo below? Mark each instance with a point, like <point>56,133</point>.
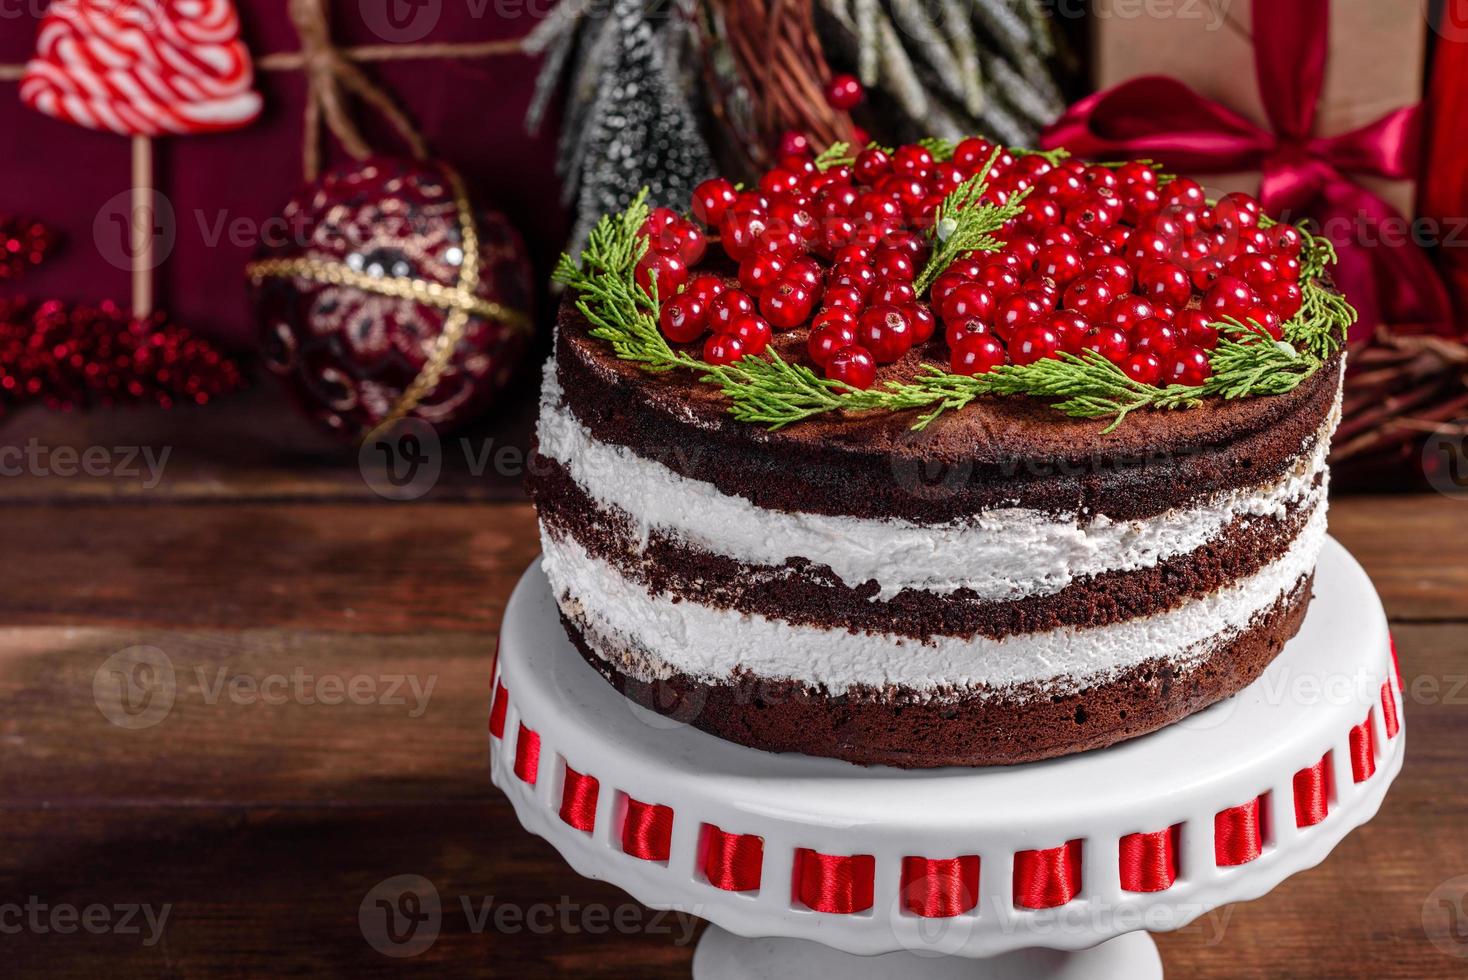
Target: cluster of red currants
<point>1108,259</point>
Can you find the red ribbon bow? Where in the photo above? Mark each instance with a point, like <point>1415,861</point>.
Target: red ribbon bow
<point>1385,276</point>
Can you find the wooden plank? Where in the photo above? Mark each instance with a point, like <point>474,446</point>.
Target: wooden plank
<point>1411,545</point>
<point>253,445</point>
<point>264,717</point>
<point>348,568</point>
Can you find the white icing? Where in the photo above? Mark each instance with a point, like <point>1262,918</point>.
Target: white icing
<point>709,644</point>
<point>1000,554</point>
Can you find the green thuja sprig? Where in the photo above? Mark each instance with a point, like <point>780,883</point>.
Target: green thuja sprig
<point>965,222</point>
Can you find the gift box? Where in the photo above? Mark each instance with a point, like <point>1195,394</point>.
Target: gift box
<point>223,188</point>
<point>1374,65</point>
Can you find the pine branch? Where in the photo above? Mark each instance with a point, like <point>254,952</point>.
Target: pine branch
<point>965,222</point>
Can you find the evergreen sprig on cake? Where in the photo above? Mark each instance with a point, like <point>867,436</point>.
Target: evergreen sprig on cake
<point>1103,288</point>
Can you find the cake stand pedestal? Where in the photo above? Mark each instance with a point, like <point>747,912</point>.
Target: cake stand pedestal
<point>1226,803</point>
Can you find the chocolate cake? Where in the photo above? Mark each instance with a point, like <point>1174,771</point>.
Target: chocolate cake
<point>1001,583</point>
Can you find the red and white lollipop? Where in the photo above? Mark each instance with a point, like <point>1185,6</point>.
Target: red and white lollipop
<point>142,68</point>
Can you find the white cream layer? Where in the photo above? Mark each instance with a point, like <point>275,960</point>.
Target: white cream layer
<point>654,636</point>
<point>1000,554</point>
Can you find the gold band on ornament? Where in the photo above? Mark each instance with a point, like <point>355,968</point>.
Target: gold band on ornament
<point>459,300</point>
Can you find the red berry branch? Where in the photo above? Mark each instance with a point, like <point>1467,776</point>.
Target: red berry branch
<point>69,357</point>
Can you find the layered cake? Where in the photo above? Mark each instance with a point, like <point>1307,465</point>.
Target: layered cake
<point>1040,520</point>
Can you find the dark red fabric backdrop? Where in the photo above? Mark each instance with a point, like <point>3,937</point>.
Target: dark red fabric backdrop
<point>470,111</point>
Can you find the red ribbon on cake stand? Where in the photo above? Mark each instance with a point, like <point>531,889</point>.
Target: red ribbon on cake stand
<point>1160,118</point>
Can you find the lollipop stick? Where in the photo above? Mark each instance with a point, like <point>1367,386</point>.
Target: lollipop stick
<point>142,230</point>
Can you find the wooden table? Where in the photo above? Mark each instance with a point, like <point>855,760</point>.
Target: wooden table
<point>330,651</point>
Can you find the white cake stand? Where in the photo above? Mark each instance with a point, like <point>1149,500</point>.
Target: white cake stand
<point>1331,694</point>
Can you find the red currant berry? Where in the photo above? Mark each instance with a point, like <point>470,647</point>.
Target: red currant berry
<point>1000,280</point>
<point>1266,318</point>
<point>954,333</point>
<point>860,276</point>
<point>1206,273</point>
<point>835,233</point>
<point>794,143</point>
<point>739,230</point>
<point>683,319</point>
<point>1127,311</point>
<point>1256,270</point>
<point>1062,263</point>
<point>753,332</point>
<point>1157,336</point>
<point>976,354</point>
<point>1194,329</point>
<point>842,295</point>
<point>1064,186</point>
<point>808,271</point>
<point>872,165</point>
<point>666,269</point>
<point>885,331</point>
<point>920,315</point>
<point>825,341</point>
<point>1033,342</point>
<point>893,265</point>
<point>787,303</point>
<point>758,271</point>
<point>968,301</point>
<point>844,93</point>
<point>1019,310</point>
<point>1289,268</point>
<point>1116,272</point>
<point>1187,366</point>
<point>1145,245</point>
<point>1110,342</point>
<point>1070,327</point>
<point>711,199</point>
<point>778,182</point>
<point>1136,174</point>
<point>1286,240</point>
<point>1284,298</point>
<point>890,293</point>
<point>727,307</point>
<point>705,287</point>
<point>1089,297</point>
<point>723,348</point>
<point>853,366</point>
<point>1143,366</point>
<point>1228,296</point>
<point>851,255</point>
<point>1164,282</point>
<point>1184,192</point>
<point>1236,212</point>
<point>912,161</point>
<point>944,285</point>
<point>658,219</point>
<point>971,154</point>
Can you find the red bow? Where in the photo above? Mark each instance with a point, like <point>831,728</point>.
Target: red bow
<point>1382,272</point>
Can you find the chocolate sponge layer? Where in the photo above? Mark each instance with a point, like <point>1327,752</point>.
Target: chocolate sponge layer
<point>894,728</point>
<point>810,594</point>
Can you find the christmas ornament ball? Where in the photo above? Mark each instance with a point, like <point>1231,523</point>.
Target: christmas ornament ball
<point>387,294</point>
